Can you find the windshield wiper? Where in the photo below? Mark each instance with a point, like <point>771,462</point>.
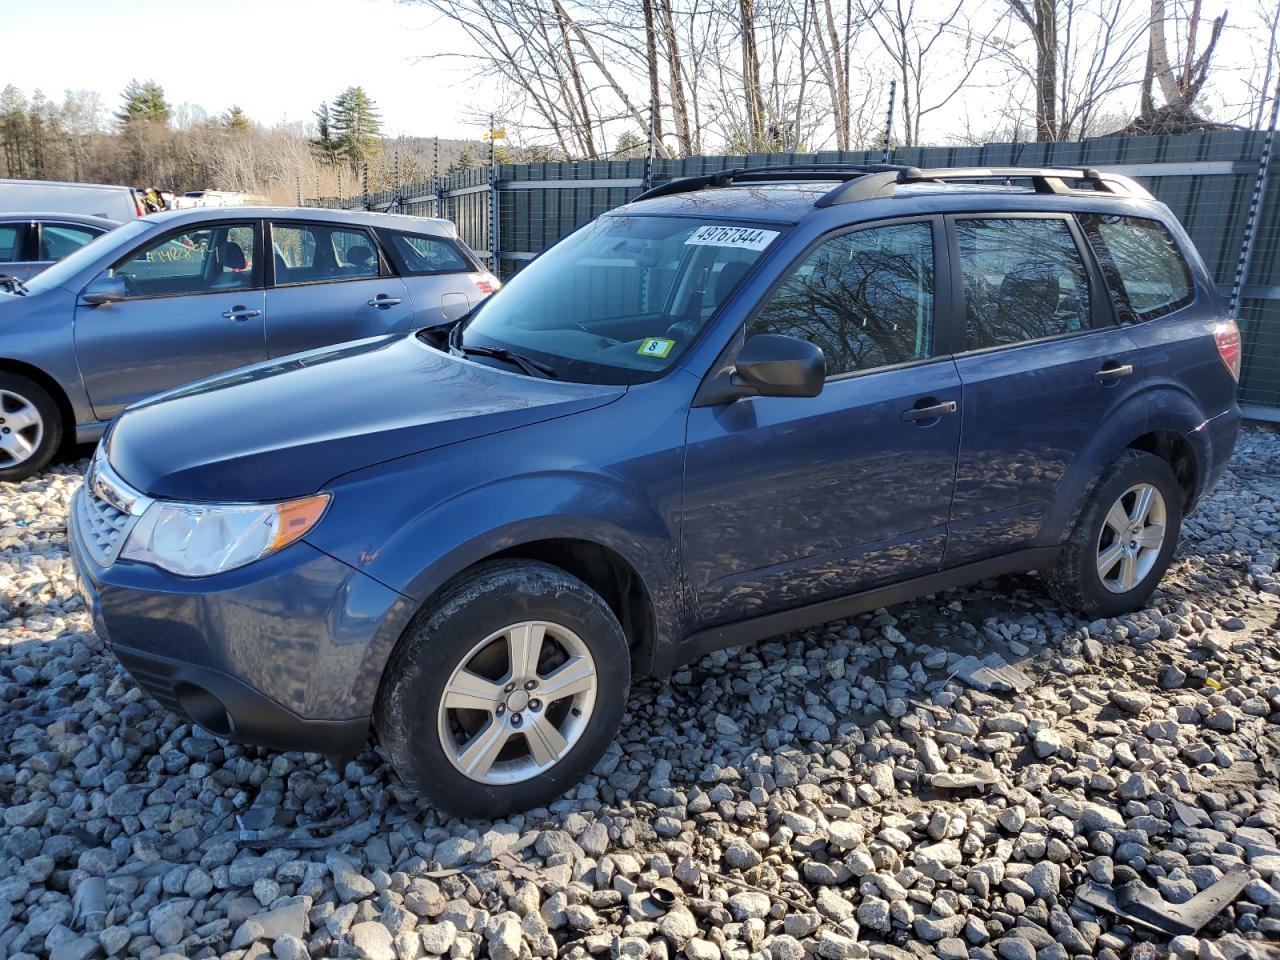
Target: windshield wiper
<point>531,367</point>
<point>13,285</point>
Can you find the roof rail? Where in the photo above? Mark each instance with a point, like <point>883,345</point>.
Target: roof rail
<point>1043,179</point>
<point>794,171</point>
<point>879,180</point>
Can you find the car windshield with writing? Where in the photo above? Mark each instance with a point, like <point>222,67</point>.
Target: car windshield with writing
<point>620,300</point>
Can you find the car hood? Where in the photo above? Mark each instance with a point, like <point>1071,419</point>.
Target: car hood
<point>284,428</point>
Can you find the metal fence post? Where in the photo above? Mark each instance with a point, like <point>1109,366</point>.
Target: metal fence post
<point>1255,204</point>
<point>651,147</point>
<point>494,218</point>
<point>888,121</point>
<point>364,187</point>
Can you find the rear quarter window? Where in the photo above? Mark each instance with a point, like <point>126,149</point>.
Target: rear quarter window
<point>1146,274</point>
<point>421,254</point>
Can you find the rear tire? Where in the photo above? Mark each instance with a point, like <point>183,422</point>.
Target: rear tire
<point>505,691</point>
<point>30,427</point>
<point>1123,540</point>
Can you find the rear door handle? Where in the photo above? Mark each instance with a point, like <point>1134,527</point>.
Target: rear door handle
<point>930,412</point>
<point>1113,371</point>
<point>382,300</point>
<point>240,313</point>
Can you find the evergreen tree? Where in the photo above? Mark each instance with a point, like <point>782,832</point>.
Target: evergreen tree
<point>464,161</point>
<point>324,142</point>
<point>14,132</point>
<point>144,101</point>
<point>356,125</point>
<point>235,121</point>
<point>629,146</point>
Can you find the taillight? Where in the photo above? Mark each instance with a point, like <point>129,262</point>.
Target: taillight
<point>486,285</point>
<point>137,205</point>
<point>1227,336</point>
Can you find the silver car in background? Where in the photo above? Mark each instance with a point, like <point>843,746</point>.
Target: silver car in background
<point>186,294</point>
<point>33,241</point>
<point>60,196</point>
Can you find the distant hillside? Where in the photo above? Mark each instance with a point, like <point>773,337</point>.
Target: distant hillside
<point>418,154</point>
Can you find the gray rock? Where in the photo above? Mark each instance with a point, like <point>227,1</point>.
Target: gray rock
<point>748,904</point>
<point>370,941</point>
<point>437,938</point>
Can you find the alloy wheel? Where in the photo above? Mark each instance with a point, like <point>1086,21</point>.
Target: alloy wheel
<point>21,429</point>
<point>517,703</point>
<point>1132,534</point>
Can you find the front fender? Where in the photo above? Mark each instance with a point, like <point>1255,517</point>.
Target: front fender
<point>499,517</point>
<point>610,476</point>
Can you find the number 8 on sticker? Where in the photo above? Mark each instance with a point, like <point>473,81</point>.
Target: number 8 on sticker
<point>655,347</point>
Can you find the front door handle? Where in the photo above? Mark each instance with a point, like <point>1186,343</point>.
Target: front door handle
<point>929,409</point>
<point>240,313</point>
<point>382,300</point>
<point>1112,372</point>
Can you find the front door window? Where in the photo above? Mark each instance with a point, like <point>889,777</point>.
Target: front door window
<point>210,258</point>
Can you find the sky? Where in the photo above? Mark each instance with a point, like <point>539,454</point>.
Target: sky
<point>277,59</point>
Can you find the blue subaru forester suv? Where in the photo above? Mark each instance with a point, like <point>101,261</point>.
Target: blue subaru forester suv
<point>743,404</point>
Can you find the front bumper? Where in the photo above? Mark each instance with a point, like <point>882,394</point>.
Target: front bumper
<point>286,652</point>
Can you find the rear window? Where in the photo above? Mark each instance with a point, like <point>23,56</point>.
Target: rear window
<point>421,254</point>
<point>1146,274</point>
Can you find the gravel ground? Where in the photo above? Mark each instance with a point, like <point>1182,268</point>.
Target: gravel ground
<point>790,799</point>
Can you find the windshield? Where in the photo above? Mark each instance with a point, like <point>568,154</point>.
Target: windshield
<point>62,271</point>
<point>620,300</point>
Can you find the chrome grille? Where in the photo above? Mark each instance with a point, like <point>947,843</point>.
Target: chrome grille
<point>103,527</point>
<point>102,523</point>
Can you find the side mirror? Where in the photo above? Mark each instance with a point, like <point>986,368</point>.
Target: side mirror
<point>104,290</point>
<point>777,366</point>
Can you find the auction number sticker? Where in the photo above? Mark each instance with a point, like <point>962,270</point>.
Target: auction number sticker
<point>745,238</point>
<point>655,347</point>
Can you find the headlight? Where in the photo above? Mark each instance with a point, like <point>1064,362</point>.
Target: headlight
<point>200,539</point>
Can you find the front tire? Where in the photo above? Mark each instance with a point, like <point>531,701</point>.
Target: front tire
<point>30,427</point>
<point>505,691</point>
<point>1123,540</point>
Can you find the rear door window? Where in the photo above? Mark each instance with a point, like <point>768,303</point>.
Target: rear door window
<point>1024,279</point>
<point>1146,274</point>
<point>317,253</point>
<point>11,235</point>
<point>58,240</point>
<point>419,254</point>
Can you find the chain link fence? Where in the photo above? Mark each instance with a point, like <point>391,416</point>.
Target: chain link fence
<point>511,213</point>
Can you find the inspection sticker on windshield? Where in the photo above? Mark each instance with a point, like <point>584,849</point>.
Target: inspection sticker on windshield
<point>655,347</point>
<point>745,238</point>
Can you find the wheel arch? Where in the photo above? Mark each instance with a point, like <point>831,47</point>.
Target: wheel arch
<point>1164,421</point>
<point>608,573</point>
<point>1176,450</point>
<point>50,386</point>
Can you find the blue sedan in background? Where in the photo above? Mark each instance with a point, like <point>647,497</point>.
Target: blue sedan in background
<point>186,294</point>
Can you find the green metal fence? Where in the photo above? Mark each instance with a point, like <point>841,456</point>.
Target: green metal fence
<point>511,213</point>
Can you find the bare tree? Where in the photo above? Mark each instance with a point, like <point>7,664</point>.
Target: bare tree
<point>1263,90</point>
<point>675,79</point>
<point>1179,87</point>
<point>835,32</point>
<point>752,95</point>
<point>1041,19</point>
<point>1084,53</point>
<point>934,59</point>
